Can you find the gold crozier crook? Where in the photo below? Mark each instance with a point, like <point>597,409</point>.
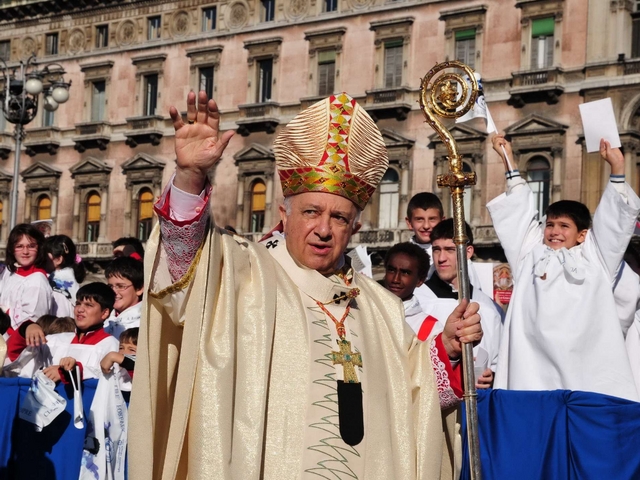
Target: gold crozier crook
<point>451,95</point>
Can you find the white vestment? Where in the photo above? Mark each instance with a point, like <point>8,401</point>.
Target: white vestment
<point>25,297</point>
<point>490,320</point>
<point>235,379</point>
<point>562,330</point>
<point>118,323</point>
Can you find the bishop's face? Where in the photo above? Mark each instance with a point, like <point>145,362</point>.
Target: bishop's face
<point>318,227</point>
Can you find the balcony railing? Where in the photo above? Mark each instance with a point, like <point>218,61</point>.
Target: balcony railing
<point>389,103</point>
<point>258,117</point>
<point>145,129</point>
<point>94,250</point>
<point>42,140</point>
<point>92,135</point>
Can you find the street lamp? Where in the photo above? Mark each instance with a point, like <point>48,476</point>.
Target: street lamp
<point>22,86</point>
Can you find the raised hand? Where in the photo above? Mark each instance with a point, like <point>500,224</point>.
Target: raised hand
<point>199,145</point>
<point>498,142</point>
<point>613,156</point>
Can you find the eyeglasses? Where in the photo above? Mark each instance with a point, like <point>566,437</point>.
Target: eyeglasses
<point>30,246</point>
<point>118,287</point>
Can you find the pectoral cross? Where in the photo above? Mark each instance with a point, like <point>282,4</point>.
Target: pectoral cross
<point>348,360</point>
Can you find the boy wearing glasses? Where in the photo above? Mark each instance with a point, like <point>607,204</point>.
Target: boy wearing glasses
<point>125,275</point>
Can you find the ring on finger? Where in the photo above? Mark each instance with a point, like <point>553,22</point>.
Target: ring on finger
<point>191,122</point>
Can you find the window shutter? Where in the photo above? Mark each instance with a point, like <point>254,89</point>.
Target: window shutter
<point>548,51</point>
<point>542,27</point>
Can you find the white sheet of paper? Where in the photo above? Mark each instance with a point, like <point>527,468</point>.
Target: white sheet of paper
<point>361,261</point>
<point>599,121</point>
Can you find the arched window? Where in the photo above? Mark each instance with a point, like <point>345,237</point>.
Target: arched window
<point>93,217</point>
<point>258,205</point>
<point>44,208</point>
<point>389,198</point>
<point>539,178</point>
<point>145,214</point>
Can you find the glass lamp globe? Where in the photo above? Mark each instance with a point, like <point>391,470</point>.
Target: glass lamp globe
<point>50,105</point>
<point>60,94</point>
<point>33,86</point>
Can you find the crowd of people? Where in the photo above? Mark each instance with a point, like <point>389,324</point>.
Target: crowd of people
<point>45,304</point>
<point>243,319</point>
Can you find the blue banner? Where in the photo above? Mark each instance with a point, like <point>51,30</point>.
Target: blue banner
<point>556,435</point>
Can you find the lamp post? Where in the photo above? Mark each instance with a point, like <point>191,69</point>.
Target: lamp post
<point>22,86</point>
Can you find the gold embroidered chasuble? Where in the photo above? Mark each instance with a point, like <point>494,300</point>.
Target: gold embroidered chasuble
<point>234,377</point>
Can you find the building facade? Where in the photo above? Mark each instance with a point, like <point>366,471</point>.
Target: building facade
<point>95,166</point>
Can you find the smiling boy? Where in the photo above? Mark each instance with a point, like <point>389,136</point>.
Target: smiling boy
<point>562,330</point>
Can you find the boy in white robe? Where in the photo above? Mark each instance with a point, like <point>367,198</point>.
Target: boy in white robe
<point>125,276</point>
<point>85,347</point>
<point>424,212</point>
<point>562,330</point>
<point>442,289</point>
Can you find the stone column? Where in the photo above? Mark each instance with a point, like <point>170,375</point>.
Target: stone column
<point>630,161</point>
<point>27,205</point>
<point>556,180</point>
<point>476,191</point>
<point>104,205</point>
<point>127,210</point>
<point>76,215</point>
<point>404,191</point>
<point>268,214</point>
<point>240,205</point>
<point>53,192</point>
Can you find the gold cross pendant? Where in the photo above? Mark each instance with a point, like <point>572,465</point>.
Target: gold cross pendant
<point>348,360</point>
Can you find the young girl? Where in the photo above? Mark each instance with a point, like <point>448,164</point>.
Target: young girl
<point>66,271</point>
<point>25,293</point>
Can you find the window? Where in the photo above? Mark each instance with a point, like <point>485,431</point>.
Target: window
<point>542,42</point>
<point>153,28</point>
<point>539,179</point>
<point>3,123</point>
<point>150,94</point>
<point>44,208</point>
<point>145,214</point>
<point>93,217</point>
<point>98,100</point>
<point>1,217</point>
<point>206,80</point>
<point>47,118</point>
<point>326,72</point>
<point>51,44</point>
<point>5,50</point>
<point>208,19</point>
<point>102,36</point>
<point>466,46</point>
<point>393,64</point>
<point>258,205</point>
<point>267,10</point>
<point>389,198</point>
<point>330,6</point>
<point>265,76</point>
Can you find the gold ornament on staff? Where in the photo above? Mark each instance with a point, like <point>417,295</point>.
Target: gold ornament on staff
<point>451,94</point>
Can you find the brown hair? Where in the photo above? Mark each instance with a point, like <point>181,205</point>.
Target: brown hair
<point>51,324</point>
<point>25,230</point>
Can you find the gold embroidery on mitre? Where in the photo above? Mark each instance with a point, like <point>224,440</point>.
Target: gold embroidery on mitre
<point>333,147</point>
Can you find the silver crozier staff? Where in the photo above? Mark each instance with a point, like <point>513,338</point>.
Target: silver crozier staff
<point>451,95</point>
